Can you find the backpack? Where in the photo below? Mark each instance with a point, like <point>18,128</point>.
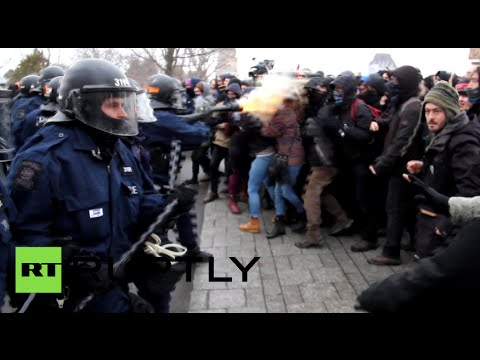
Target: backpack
<point>378,138</point>
<point>376,113</point>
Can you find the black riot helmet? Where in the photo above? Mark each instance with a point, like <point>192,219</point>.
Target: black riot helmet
<point>48,74</point>
<point>51,93</point>
<point>28,84</point>
<point>97,93</point>
<point>165,93</point>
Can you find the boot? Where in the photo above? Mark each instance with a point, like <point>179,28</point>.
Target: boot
<point>233,206</point>
<point>200,255</point>
<point>300,224</point>
<point>253,226</point>
<point>277,229</point>
<point>313,237</point>
<point>244,197</point>
<point>211,196</point>
<point>384,260</point>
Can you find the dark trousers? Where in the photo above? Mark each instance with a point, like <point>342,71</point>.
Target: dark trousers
<point>218,154</point>
<point>401,211</point>
<point>187,230</point>
<point>364,189</point>
<point>200,158</point>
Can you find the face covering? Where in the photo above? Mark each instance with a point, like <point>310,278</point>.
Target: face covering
<point>338,96</point>
<point>473,95</point>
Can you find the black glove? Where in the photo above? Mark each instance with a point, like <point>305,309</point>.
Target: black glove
<point>137,264</point>
<point>83,272</point>
<point>430,196</point>
<point>185,197</point>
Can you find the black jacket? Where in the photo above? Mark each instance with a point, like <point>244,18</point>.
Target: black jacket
<point>447,282</point>
<point>401,127</point>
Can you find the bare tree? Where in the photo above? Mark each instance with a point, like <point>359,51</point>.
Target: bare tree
<point>140,70</point>
<point>177,61</point>
<point>115,56</point>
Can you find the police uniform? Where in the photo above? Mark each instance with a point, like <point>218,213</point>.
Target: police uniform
<point>20,109</point>
<point>63,189</point>
<point>159,135</point>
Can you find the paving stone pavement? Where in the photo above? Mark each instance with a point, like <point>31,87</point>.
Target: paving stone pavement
<point>285,278</point>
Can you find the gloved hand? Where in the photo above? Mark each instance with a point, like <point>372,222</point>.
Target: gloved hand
<point>137,262</point>
<point>430,196</point>
<point>83,272</point>
<point>185,196</point>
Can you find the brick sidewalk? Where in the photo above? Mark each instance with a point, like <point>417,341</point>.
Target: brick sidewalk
<point>286,278</point>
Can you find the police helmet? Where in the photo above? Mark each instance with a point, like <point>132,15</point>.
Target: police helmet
<point>97,93</point>
<point>48,74</point>
<point>51,93</point>
<point>165,93</point>
<point>29,84</point>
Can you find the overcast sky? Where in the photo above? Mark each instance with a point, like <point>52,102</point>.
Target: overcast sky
<point>334,61</point>
<point>330,61</point>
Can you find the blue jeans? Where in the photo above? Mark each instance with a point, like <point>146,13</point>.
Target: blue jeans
<point>257,174</point>
<point>280,191</point>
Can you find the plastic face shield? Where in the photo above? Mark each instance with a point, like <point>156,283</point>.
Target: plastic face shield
<point>107,109</point>
<point>144,108</point>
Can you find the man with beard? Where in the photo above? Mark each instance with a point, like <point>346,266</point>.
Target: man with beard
<point>453,151</point>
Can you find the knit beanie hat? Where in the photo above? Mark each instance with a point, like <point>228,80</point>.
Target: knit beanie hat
<point>444,96</point>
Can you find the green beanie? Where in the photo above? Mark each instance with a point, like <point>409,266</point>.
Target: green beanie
<point>444,96</point>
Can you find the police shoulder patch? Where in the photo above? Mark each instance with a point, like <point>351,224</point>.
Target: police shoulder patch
<point>26,174</point>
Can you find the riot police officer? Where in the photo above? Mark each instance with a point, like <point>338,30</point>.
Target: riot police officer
<point>29,99</point>
<point>37,118</point>
<point>166,100</point>
<point>77,184</point>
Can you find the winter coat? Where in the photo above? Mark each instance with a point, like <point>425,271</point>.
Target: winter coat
<point>319,146</point>
<point>449,160</point>
<point>351,137</point>
<point>401,127</point>
<point>285,129</point>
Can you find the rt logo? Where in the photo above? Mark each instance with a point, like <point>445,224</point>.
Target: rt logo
<point>38,270</point>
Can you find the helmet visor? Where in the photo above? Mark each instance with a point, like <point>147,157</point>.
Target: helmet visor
<point>107,110</point>
<point>144,108</point>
